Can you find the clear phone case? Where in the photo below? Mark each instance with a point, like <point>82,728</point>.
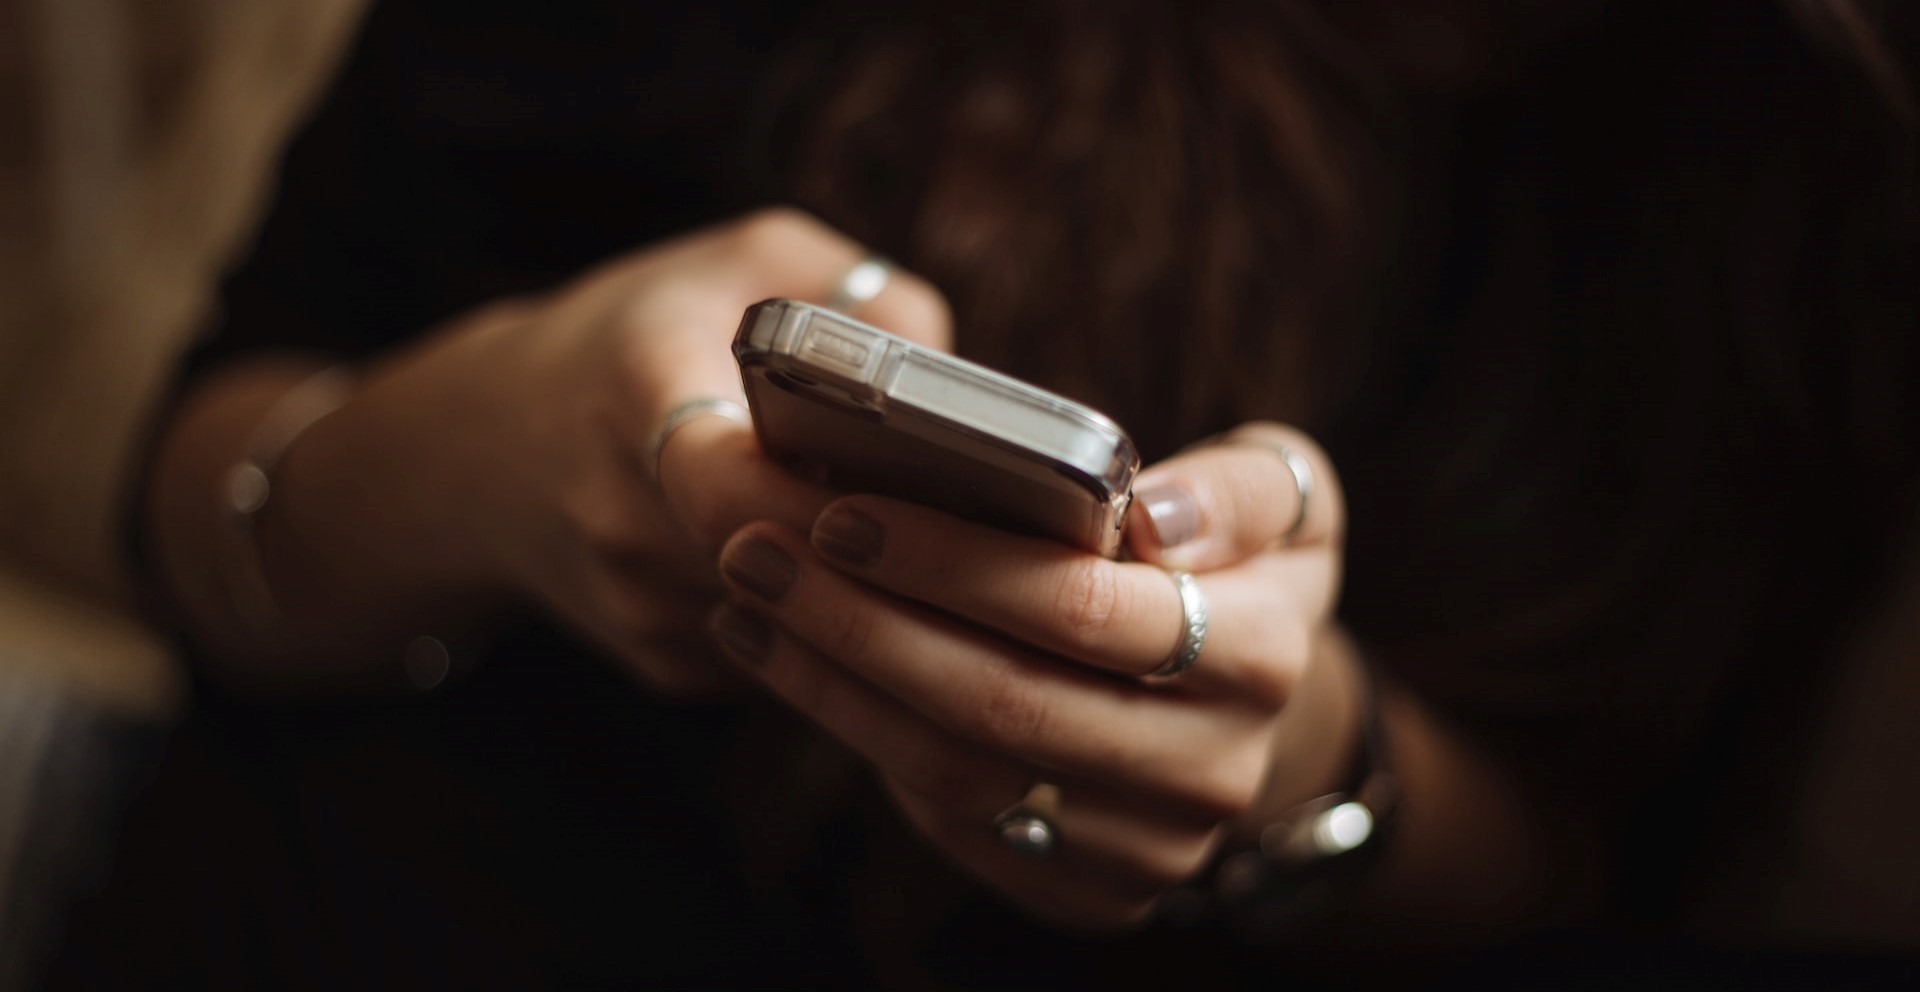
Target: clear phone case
<point>864,410</point>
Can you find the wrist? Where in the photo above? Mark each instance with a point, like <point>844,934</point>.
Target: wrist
<point>1331,801</point>
<point>1307,857</point>
<point>247,488</point>
<point>371,515</point>
<point>1317,737</point>
<point>346,545</point>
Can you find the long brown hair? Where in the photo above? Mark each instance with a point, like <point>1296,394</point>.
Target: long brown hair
<point>1614,352</point>
<point>1143,205</point>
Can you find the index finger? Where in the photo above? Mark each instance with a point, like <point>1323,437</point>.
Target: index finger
<point>1256,487</point>
<point>716,480</point>
<point>786,252</point>
<point>714,476</point>
<point>679,304</point>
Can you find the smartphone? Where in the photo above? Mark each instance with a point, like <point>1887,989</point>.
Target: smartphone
<point>862,410</point>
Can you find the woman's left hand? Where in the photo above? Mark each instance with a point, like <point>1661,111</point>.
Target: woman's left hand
<point>967,665</point>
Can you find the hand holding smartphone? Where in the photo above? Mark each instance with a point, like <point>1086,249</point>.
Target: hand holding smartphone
<point>865,411</point>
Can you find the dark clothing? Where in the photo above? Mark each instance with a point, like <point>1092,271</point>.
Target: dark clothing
<point>542,822</point>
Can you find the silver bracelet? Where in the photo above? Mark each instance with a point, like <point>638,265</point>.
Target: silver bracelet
<point>247,487</point>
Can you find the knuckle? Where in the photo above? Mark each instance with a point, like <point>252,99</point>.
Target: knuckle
<point>1190,859</point>
<point>1228,788</point>
<point>802,686</point>
<point>1270,679</point>
<point>711,522</point>
<point>1088,601</point>
<point>626,622</point>
<point>673,670</point>
<point>1274,432</point>
<point>1328,494</point>
<point>1293,641</point>
<point>711,514</point>
<point>771,231</point>
<point>1010,712</point>
<point>605,526</point>
<point>1247,491</point>
<point>584,515</point>
<point>1267,685</point>
<point>633,310</point>
<point>630,620</point>
<point>937,771</point>
<point>921,307</point>
<point>636,362</point>
<point>851,633</point>
<point>1175,863</point>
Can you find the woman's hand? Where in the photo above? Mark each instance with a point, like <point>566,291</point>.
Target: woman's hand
<point>504,457</point>
<point>968,664</point>
<point>588,379</point>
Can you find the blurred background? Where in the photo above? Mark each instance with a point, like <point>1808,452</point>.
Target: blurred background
<point>136,146</point>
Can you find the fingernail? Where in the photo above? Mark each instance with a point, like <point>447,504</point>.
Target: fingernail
<point>760,566</point>
<point>849,536</point>
<point>742,634</point>
<point>1174,515</point>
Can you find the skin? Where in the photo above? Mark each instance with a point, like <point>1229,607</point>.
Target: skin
<point>963,663</point>
<point>940,659</point>
<point>393,516</point>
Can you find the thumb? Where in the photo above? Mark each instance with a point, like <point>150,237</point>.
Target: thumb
<point>1260,486</point>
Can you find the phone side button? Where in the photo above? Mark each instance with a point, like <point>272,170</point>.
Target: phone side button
<point>837,352</point>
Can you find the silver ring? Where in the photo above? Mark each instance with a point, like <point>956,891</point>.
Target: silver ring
<point>866,280</point>
<point>1193,627</point>
<point>1302,471</point>
<point>1027,827</point>
<point>680,416</point>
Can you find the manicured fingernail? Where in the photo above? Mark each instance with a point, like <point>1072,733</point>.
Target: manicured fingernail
<point>849,536</point>
<point>1174,515</point>
<point>760,566</point>
<point>742,634</point>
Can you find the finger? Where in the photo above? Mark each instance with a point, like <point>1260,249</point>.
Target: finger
<point>716,480</point>
<point>910,307</point>
<point>787,252</point>
<point>1048,889</point>
<point>1098,833</point>
<point>1226,501</point>
<point>1004,696</point>
<point>1151,847</point>
<point>776,252</point>
<point>1122,617</point>
<point>683,302</point>
<point>680,569</point>
<point>888,735</point>
<point>680,665</point>
<point>650,630</point>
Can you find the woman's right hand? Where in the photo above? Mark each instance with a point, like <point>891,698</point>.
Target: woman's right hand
<point>506,453</point>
